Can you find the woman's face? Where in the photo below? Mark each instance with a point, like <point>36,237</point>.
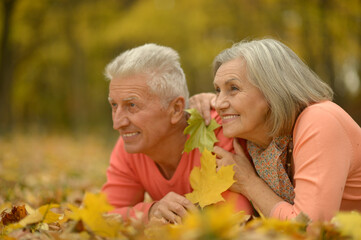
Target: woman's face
<point>242,106</point>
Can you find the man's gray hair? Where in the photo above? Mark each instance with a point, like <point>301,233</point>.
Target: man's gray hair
<point>160,64</point>
<point>287,83</point>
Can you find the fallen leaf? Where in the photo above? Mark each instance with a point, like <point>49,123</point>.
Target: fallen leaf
<point>214,222</point>
<point>349,224</point>
<point>91,214</point>
<point>207,183</point>
<point>41,215</point>
<point>15,215</point>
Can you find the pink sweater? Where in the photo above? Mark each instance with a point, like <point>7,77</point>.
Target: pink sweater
<point>327,164</point>
<point>129,176</point>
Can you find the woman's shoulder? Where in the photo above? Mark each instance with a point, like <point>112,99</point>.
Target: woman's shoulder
<point>323,107</point>
<point>328,116</point>
<point>325,112</point>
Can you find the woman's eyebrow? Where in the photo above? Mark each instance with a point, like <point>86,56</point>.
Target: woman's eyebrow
<point>231,80</point>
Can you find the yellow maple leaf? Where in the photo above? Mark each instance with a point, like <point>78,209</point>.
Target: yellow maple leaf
<point>207,183</point>
<point>349,223</point>
<point>285,227</point>
<point>215,222</point>
<point>91,213</point>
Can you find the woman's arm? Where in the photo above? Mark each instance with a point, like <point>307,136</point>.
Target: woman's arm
<point>322,157</point>
<point>247,182</point>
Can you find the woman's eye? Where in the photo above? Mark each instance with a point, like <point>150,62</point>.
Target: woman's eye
<point>234,88</point>
<point>217,90</point>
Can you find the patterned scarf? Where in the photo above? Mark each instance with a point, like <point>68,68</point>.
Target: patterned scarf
<point>270,166</point>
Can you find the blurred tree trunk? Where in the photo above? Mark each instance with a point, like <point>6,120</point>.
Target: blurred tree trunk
<point>6,67</point>
<point>327,47</point>
<point>306,33</point>
<point>78,77</point>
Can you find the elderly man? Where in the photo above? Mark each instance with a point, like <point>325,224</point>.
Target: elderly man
<point>148,94</point>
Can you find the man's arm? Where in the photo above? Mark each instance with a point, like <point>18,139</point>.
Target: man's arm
<point>123,188</point>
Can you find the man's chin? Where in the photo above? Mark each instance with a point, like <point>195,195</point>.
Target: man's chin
<point>131,149</point>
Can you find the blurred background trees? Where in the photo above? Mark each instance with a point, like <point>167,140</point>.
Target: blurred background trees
<point>53,52</point>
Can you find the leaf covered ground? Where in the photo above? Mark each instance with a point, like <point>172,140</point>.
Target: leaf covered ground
<point>49,189</point>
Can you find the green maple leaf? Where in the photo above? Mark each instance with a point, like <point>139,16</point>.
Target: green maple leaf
<point>201,136</point>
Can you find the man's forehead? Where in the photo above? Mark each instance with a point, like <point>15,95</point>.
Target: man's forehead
<point>128,88</point>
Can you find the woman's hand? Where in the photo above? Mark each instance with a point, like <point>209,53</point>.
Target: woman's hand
<point>203,102</point>
<point>243,169</point>
<point>171,208</point>
<point>248,183</point>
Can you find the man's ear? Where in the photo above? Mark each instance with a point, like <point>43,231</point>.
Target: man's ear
<point>176,109</point>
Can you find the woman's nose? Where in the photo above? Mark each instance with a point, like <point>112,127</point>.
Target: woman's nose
<point>221,102</point>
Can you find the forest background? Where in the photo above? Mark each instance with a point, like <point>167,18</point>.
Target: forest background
<point>55,119</point>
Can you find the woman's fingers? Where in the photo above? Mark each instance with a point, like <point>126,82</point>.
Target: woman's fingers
<point>206,112</point>
<point>220,152</point>
<point>224,157</point>
<point>203,102</point>
<point>213,102</point>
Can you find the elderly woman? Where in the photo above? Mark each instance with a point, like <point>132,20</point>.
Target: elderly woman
<point>306,150</point>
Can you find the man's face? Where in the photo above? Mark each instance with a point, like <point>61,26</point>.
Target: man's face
<point>137,114</point>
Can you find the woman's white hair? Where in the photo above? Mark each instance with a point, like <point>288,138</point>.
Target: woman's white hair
<point>287,83</point>
<point>160,64</point>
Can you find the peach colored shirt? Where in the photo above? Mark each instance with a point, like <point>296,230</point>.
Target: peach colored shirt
<point>327,164</point>
<point>129,176</point>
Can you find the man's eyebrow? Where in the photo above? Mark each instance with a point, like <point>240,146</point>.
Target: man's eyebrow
<point>124,99</point>
<point>129,99</point>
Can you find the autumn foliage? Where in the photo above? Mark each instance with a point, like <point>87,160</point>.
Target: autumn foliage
<point>37,202</point>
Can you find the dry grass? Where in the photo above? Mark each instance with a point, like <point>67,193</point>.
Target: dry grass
<point>37,169</point>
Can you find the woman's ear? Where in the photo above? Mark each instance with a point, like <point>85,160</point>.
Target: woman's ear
<point>176,108</point>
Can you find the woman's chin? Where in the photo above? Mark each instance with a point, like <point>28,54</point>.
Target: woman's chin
<point>229,134</point>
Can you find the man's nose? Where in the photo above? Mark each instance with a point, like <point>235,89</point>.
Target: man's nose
<point>120,119</point>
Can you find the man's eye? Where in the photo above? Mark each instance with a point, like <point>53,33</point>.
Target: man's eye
<point>131,104</point>
<point>114,105</point>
